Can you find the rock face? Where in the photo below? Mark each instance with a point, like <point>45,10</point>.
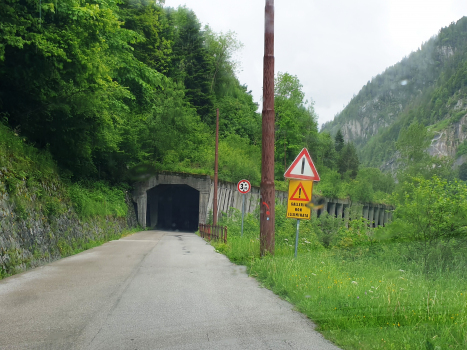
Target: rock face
<point>428,86</point>
<point>370,118</point>
<point>446,142</point>
<point>30,236</point>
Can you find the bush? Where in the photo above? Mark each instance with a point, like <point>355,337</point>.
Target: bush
<point>98,200</point>
<point>431,214</point>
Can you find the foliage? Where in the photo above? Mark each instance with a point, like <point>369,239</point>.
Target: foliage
<point>107,85</point>
<point>222,47</point>
<point>238,159</point>
<point>347,162</point>
<point>414,160</point>
<point>98,200</point>
<point>462,149</point>
<point>339,141</point>
<point>191,64</point>
<point>295,123</point>
<point>330,185</point>
<point>463,172</point>
<point>432,214</point>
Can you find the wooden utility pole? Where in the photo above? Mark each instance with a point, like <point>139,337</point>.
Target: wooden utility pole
<point>267,213</point>
<point>216,167</point>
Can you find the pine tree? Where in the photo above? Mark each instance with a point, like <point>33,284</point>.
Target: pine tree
<point>339,141</point>
<point>348,161</point>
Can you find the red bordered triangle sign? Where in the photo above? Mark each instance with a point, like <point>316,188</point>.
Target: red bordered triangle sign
<point>300,194</point>
<point>302,168</point>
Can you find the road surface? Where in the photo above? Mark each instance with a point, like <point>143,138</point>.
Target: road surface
<point>151,290</point>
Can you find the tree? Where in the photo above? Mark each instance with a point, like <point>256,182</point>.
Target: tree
<point>430,214</point>
<point>191,64</point>
<point>463,172</point>
<point>57,77</point>
<point>295,123</point>
<point>222,47</point>
<point>149,20</point>
<point>339,141</point>
<point>348,162</point>
<point>325,152</point>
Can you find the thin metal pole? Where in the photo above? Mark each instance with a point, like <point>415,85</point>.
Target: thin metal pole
<point>243,211</point>
<point>267,213</point>
<point>216,166</point>
<point>296,237</point>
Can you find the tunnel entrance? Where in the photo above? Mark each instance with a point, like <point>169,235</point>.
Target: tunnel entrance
<point>173,207</point>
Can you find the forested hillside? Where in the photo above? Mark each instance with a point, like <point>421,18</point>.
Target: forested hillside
<point>428,87</point>
<point>105,86</point>
<point>118,89</point>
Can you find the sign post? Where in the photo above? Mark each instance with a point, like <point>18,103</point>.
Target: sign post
<point>243,187</point>
<point>296,237</point>
<point>302,173</point>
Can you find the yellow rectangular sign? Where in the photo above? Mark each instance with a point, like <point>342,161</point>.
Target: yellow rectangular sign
<point>300,193</point>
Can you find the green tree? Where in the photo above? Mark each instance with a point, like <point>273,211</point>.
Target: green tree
<point>149,20</point>
<point>348,162</point>
<point>192,65</point>
<point>325,152</point>
<point>339,141</point>
<point>430,214</point>
<point>463,172</point>
<point>58,77</point>
<point>221,48</point>
<point>295,125</point>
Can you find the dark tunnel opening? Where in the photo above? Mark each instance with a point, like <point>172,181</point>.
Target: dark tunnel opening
<point>173,208</point>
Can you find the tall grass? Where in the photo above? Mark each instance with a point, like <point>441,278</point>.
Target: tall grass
<point>98,199</point>
<point>363,294</point>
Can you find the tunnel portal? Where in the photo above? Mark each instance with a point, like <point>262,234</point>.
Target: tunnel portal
<point>173,207</point>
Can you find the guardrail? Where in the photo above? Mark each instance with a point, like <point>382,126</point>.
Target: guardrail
<point>211,232</point>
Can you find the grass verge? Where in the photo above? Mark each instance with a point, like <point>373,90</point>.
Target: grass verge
<point>361,296</point>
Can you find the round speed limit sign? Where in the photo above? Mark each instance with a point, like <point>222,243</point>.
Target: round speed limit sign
<point>244,186</point>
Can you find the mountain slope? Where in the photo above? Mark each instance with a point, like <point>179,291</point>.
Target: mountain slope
<point>429,86</point>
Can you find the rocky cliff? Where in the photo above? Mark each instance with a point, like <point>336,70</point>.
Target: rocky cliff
<point>429,86</point>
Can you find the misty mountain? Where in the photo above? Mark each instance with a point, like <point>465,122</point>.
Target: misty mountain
<point>428,86</point>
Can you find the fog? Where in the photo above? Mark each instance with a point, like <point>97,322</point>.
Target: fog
<point>334,47</point>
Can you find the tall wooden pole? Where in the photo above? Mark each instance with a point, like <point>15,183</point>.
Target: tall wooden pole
<point>267,214</point>
<point>216,167</point>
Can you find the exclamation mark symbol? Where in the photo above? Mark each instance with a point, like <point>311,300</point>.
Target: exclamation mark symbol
<point>300,192</point>
<point>303,165</point>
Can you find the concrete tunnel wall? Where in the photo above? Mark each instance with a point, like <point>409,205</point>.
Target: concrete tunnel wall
<point>229,197</point>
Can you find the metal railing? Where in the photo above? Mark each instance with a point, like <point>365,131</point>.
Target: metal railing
<point>211,232</point>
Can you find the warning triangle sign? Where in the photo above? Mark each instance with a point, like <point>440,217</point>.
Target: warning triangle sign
<point>302,168</point>
<point>300,194</point>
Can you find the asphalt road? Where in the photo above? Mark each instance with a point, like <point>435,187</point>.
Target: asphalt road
<point>150,290</point>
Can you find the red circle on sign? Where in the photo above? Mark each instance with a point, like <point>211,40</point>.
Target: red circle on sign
<point>244,186</point>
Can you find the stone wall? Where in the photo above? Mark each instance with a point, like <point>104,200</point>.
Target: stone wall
<point>31,236</point>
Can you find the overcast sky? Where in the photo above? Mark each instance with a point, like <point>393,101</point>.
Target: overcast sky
<point>333,46</point>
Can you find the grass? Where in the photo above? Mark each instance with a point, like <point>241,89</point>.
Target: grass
<point>30,182</point>
<point>98,199</point>
<point>361,296</point>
